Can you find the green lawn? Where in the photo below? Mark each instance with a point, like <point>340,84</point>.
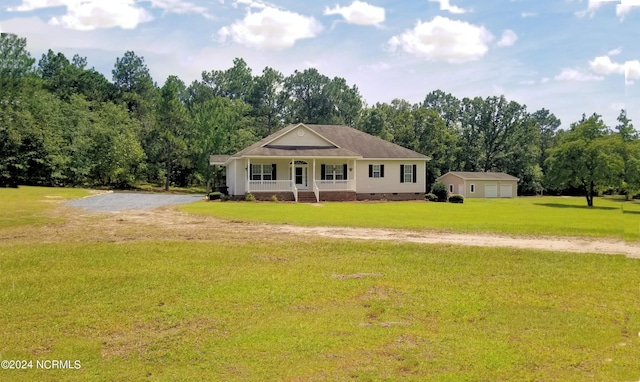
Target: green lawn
<point>29,205</point>
<point>318,310</point>
<point>296,309</point>
<point>520,216</point>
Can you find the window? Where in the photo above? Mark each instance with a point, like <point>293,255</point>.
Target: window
<point>376,171</point>
<point>473,188</point>
<point>333,171</point>
<point>408,173</point>
<point>451,188</point>
<point>263,172</point>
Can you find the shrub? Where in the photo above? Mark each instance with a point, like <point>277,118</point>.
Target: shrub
<point>431,197</point>
<point>456,198</point>
<point>250,198</point>
<point>274,198</point>
<point>225,198</point>
<point>439,189</point>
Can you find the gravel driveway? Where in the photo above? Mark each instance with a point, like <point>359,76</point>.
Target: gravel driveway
<point>119,201</point>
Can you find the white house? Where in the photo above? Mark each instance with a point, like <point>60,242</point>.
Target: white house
<point>325,163</point>
<point>481,184</point>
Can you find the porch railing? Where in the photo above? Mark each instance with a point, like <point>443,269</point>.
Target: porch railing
<point>270,185</point>
<point>287,185</point>
<point>336,185</point>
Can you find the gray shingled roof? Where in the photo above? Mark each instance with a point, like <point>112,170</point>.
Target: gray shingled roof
<point>350,142</point>
<point>218,159</point>
<point>482,175</point>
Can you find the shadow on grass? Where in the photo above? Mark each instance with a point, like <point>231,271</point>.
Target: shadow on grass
<point>631,212</point>
<point>560,205</point>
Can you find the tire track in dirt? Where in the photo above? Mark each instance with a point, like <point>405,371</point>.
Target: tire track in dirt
<point>166,223</point>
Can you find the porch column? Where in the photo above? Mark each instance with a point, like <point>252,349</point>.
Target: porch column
<point>354,174</point>
<point>293,173</point>
<point>248,175</point>
<point>313,174</point>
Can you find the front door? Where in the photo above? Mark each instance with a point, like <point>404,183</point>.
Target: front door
<point>301,177</point>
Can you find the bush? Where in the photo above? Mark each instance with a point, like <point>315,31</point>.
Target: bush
<point>439,189</point>
<point>431,197</point>
<point>274,198</point>
<point>225,198</point>
<point>456,198</point>
<point>250,198</point>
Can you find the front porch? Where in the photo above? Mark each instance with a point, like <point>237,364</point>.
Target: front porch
<point>306,196</point>
<point>325,179</point>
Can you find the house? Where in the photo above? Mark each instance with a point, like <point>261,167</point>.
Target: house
<point>313,163</point>
<point>481,184</point>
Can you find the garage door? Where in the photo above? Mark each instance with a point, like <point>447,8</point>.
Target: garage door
<point>491,191</point>
<point>506,191</point>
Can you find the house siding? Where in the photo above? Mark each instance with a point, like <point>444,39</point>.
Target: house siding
<point>237,186</point>
<point>457,182</point>
<point>390,183</point>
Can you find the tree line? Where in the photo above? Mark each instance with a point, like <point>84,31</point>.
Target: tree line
<point>63,123</point>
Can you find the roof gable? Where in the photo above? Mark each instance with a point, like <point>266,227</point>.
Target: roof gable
<point>300,136</point>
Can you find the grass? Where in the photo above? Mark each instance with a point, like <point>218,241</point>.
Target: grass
<point>146,187</point>
<point>521,216</point>
<point>318,310</point>
<point>29,206</point>
<point>295,309</point>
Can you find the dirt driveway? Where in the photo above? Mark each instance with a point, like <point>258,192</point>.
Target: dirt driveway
<point>165,223</point>
<point>120,201</point>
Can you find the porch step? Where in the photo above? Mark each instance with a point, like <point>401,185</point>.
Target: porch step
<point>307,197</point>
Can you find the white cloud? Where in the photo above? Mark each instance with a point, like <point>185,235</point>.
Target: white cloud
<point>251,4</point>
<point>179,7</point>
<point>30,5</point>
<point>97,14</point>
<point>631,71</point>
<point>443,39</point>
<point>445,5</point>
<point>592,7</point>
<point>622,7</point>
<point>271,28</point>
<point>524,15</point>
<point>572,74</point>
<point>614,52</point>
<point>359,13</point>
<point>509,38</point>
<point>605,66</point>
<point>626,6</point>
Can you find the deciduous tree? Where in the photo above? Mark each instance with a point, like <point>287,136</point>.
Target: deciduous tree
<point>586,158</point>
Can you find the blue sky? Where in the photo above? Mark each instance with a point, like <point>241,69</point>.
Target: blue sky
<point>569,56</point>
